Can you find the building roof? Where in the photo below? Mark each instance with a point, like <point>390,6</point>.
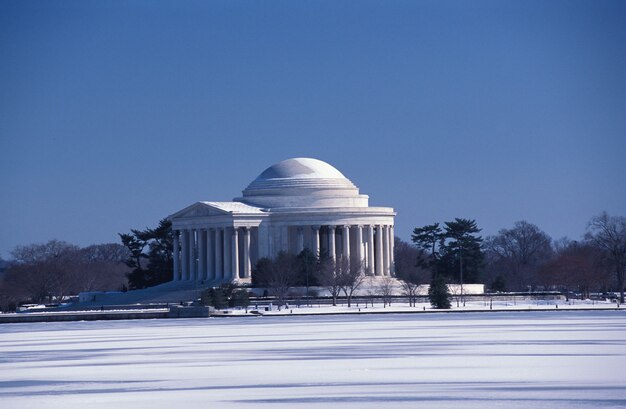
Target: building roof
<point>301,168</point>
<point>293,188</point>
<point>300,173</point>
<point>234,207</point>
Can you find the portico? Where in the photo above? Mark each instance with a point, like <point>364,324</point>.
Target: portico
<point>296,204</point>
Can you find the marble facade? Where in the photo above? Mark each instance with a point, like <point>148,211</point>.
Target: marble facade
<point>295,204</point>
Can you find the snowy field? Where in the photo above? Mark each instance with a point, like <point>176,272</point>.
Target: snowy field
<point>470,305</point>
<point>554,359</point>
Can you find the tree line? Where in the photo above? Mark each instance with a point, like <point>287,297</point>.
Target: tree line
<point>280,274</point>
<point>520,258</point>
<point>50,272</point>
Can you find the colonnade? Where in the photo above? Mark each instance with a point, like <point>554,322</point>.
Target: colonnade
<point>224,253</point>
<point>211,253</point>
<point>373,245</point>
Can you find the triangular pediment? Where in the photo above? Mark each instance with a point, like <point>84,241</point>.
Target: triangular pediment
<point>200,209</point>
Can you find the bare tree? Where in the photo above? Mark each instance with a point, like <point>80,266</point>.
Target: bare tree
<point>577,267</point>
<point>40,253</point>
<point>371,289</point>
<point>8,297</point>
<point>352,277</point>
<point>328,277</point>
<point>26,282</point>
<point>112,252</point>
<point>56,269</point>
<point>410,289</point>
<point>608,233</point>
<point>455,292</point>
<point>40,271</point>
<point>409,269</point>
<point>283,275</point>
<point>385,289</point>
<point>103,267</point>
<point>516,254</point>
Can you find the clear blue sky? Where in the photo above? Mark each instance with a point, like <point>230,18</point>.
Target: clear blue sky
<point>115,114</point>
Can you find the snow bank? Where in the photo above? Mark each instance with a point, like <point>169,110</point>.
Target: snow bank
<point>470,360</point>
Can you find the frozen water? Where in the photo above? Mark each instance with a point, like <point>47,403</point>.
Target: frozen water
<point>564,359</point>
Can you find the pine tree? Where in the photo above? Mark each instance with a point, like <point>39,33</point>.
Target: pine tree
<point>428,239</point>
<point>438,293</point>
<point>240,298</point>
<point>214,297</point>
<point>159,265</point>
<point>462,258</point>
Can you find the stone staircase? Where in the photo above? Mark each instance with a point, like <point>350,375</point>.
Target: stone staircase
<point>173,292</point>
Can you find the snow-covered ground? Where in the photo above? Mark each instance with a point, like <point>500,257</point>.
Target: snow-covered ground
<point>565,359</point>
<point>470,305</point>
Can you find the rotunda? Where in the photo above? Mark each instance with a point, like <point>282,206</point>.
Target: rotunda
<point>292,205</point>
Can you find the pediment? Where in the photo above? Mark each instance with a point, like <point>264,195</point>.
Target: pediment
<point>199,209</point>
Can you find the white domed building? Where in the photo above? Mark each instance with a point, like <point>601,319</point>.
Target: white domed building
<point>295,204</point>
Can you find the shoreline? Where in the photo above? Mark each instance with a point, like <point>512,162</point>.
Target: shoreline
<point>204,312</point>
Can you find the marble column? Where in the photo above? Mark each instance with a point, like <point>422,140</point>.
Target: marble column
<point>184,257</point>
<point>300,244</point>
<point>345,245</point>
<point>316,240</point>
<point>370,250</point>
<point>201,254</point>
<point>284,238</point>
<point>271,242</point>
<point>392,259</point>
<point>386,259</point>
<point>262,241</point>
<point>192,255</point>
<point>210,247</point>
<point>246,253</point>
<point>228,255</point>
<point>331,243</point>
<point>359,246</point>
<point>235,254</point>
<point>217,260</point>
<point>176,256</point>
<point>379,251</point>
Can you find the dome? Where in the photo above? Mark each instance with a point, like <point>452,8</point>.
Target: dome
<point>302,182</point>
<point>300,173</point>
<point>301,168</point>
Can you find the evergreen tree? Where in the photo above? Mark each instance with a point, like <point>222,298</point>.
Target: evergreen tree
<point>428,240</point>
<point>240,298</point>
<point>438,293</point>
<point>154,266</point>
<point>307,262</point>
<point>462,258</point>
<point>226,295</point>
<point>262,272</point>
<point>215,297</point>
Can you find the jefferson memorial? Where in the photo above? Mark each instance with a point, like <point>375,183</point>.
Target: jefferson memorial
<point>295,204</point>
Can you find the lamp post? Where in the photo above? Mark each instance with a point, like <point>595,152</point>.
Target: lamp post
<point>307,284</point>
<point>461,269</point>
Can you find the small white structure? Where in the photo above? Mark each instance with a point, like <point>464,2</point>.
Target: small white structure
<point>295,204</point>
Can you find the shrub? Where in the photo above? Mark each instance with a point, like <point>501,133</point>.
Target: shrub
<point>438,293</point>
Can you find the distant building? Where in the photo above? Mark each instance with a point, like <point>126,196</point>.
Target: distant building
<point>295,204</point>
